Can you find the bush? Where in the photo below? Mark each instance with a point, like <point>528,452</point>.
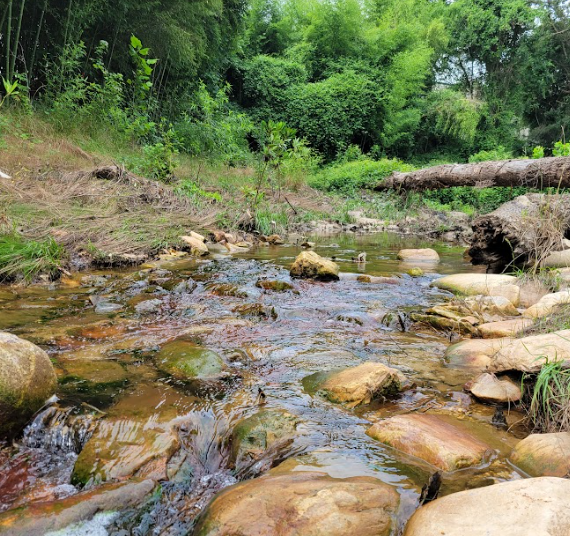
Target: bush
<point>500,153</point>
<point>347,177</point>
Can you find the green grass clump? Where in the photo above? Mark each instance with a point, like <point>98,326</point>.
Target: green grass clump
<point>347,177</point>
<point>26,259</point>
<point>549,407</point>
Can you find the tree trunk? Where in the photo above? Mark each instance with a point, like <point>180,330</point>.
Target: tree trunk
<point>522,232</point>
<point>539,173</point>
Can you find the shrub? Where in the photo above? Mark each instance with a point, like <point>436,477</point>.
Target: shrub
<point>500,153</point>
<point>347,177</point>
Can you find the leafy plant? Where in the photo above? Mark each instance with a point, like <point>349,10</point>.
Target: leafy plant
<point>561,149</point>
<point>500,153</point>
<point>538,152</point>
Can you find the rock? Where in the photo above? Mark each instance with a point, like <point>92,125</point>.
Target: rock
<point>505,328</point>
<point>488,388</point>
<point>27,380</point>
<point>226,289</point>
<point>530,353</point>
<point>432,439</point>
<point>99,373</point>
<point>474,353</point>
<point>41,518</point>
<point>276,286</point>
<point>105,307</point>
<point>486,284</point>
<point>301,504</point>
<point>197,247</point>
<point>148,307</point>
<point>275,240</point>
<point>547,304</point>
<point>312,266</point>
<point>415,272</point>
<point>543,454</point>
<point>198,236</point>
<point>465,326</point>
<point>558,259</point>
<point>418,255</point>
<point>186,361</point>
<point>531,291</point>
<point>529,507</point>
<point>121,447</point>
<point>361,384</point>
<point>491,307</point>
<point>253,436</point>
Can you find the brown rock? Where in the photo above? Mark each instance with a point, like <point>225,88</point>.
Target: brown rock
<point>474,354</point>
<point>543,454</point>
<point>197,247</point>
<point>362,384</point>
<point>432,439</point>
<point>312,266</point>
<point>529,507</point>
<point>301,504</point>
<point>418,255</point>
<point>275,240</point>
<point>505,328</point>
<point>488,388</point>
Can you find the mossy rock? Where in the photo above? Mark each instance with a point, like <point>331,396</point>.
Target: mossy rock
<point>186,361</point>
<point>275,286</point>
<point>27,380</point>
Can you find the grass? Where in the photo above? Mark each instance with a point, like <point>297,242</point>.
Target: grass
<point>20,257</point>
<point>549,393</point>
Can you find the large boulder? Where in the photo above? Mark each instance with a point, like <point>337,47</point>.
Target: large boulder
<point>361,384</point>
<point>418,255</point>
<point>432,439</point>
<point>476,354</point>
<point>505,328</point>
<point>488,388</point>
<point>530,353</point>
<point>486,284</point>
<point>185,360</point>
<point>301,504</point>
<point>27,380</point>
<point>41,518</point>
<point>309,265</point>
<point>530,507</point>
<point>253,436</point>
<point>547,304</point>
<point>124,446</point>
<point>543,454</point>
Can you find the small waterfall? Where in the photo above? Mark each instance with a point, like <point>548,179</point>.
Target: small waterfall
<point>59,430</point>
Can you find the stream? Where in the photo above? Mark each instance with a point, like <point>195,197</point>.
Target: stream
<point>103,330</point>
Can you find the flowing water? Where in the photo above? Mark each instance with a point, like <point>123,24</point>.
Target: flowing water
<point>103,341</point>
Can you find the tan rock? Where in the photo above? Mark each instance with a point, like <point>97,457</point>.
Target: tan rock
<point>543,454</point>
<point>198,236</point>
<point>310,265</point>
<point>301,504</point>
<point>547,304</point>
<point>529,507</point>
<point>275,239</point>
<point>27,380</point>
<point>558,259</point>
<point>530,353</point>
<point>475,354</point>
<point>531,291</point>
<point>361,384</point>
<point>197,247</point>
<point>488,388</point>
<point>432,439</point>
<point>505,328</point>
<point>418,255</point>
<point>491,306</point>
<point>486,284</point>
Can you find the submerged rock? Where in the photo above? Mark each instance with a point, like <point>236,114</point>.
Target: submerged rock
<point>309,265</point>
<point>418,255</point>
<point>543,454</point>
<point>38,519</point>
<point>530,507</point>
<point>121,447</point>
<point>432,439</point>
<point>488,388</point>
<point>27,380</point>
<point>485,284</point>
<point>301,504</point>
<point>186,361</point>
<point>361,384</point>
<point>276,286</point>
<point>475,354</point>
<point>253,436</point>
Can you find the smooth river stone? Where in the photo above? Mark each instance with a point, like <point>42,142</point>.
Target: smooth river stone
<point>476,354</point>
<point>488,388</point>
<point>543,454</point>
<point>547,304</point>
<point>486,284</point>
<point>418,255</point>
<point>505,328</point>
<point>310,265</point>
<point>432,439</point>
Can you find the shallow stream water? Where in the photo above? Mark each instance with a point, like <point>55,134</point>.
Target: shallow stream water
<point>103,347</point>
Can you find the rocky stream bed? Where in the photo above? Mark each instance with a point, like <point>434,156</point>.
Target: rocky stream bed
<point>218,396</point>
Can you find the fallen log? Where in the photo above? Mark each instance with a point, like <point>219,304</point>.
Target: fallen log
<point>539,173</point>
<point>522,232</point>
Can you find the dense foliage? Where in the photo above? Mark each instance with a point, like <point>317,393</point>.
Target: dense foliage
<point>423,81</point>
